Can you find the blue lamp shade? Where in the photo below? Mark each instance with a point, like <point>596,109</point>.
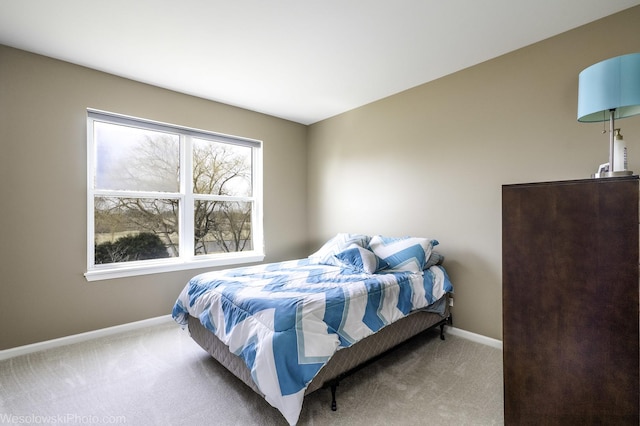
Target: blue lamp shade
<point>613,84</point>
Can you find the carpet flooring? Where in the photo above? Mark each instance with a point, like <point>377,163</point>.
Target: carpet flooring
<point>159,376</point>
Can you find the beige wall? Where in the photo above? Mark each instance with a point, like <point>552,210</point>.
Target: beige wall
<point>431,161</point>
<point>43,293</point>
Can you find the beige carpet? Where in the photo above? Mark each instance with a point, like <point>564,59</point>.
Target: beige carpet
<point>159,376</point>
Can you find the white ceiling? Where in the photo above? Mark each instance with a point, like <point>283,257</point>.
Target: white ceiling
<point>302,60</point>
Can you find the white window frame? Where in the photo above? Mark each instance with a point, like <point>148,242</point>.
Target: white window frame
<point>186,259</point>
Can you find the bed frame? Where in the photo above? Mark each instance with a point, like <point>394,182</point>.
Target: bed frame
<point>344,361</point>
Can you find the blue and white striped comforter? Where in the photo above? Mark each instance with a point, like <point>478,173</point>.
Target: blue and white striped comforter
<point>287,319</point>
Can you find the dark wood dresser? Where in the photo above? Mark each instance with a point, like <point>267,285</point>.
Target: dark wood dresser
<point>570,302</point>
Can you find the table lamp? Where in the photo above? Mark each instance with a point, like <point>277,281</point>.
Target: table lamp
<point>610,90</point>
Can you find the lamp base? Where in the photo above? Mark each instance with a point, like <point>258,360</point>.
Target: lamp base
<point>612,174</point>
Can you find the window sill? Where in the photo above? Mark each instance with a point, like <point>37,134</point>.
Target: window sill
<point>150,267</point>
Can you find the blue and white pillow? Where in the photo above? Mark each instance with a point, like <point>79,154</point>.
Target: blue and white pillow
<point>325,255</point>
<point>360,259</point>
<point>403,254</point>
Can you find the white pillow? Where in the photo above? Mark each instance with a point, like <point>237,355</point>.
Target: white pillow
<point>325,255</point>
<point>403,254</point>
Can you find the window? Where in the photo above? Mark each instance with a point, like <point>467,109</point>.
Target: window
<point>164,197</point>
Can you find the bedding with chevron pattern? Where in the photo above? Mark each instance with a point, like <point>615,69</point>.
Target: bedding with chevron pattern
<point>286,319</point>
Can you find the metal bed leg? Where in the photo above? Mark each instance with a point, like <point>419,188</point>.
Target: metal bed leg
<point>447,321</point>
<point>334,404</point>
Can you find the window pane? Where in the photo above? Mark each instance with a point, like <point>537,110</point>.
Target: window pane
<point>129,158</point>
<point>221,169</point>
<point>222,227</point>
<point>129,229</point>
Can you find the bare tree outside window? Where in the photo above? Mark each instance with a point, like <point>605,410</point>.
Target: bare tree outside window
<point>221,170</point>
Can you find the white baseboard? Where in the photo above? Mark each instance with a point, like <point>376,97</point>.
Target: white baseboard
<point>474,337</point>
<point>76,338</point>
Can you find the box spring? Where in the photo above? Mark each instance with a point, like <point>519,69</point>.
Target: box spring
<point>343,361</point>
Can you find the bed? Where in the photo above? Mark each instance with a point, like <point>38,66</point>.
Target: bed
<point>289,328</point>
